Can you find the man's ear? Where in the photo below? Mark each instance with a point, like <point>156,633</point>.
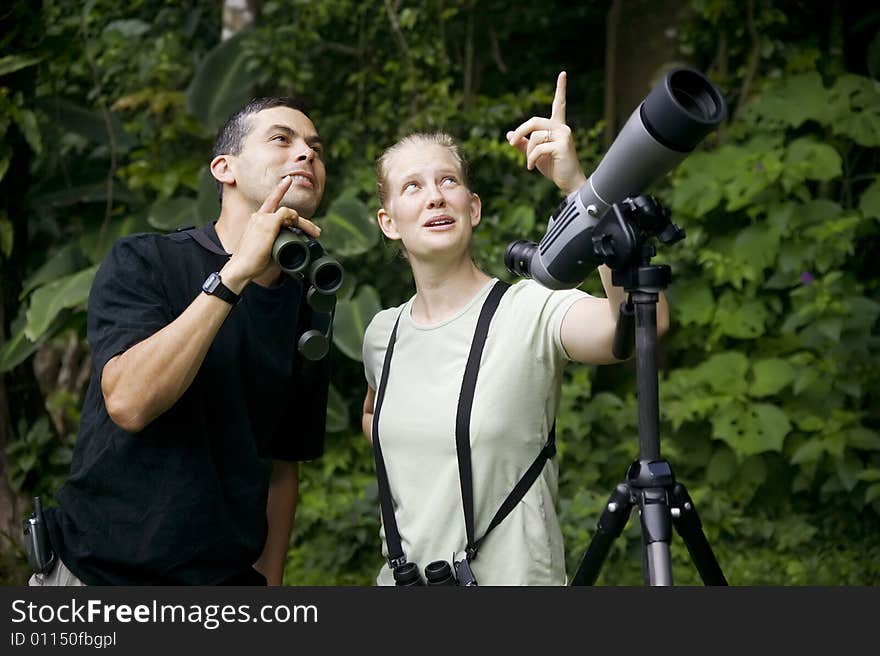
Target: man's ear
<point>221,170</point>
<point>476,210</point>
<point>387,225</point>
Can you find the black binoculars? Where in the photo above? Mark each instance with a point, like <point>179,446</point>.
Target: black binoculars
<point>299,255</point>
<point>296,252</point>
<point>438,572</point>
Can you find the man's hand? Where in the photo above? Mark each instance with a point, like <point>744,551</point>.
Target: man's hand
<point>253,253</point>
<point>548,144</point>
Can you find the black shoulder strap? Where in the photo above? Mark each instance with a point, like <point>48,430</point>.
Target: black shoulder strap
<point>519,490</point>
<point>466,402</point>
<point>392,535</point>
<point>463,440</point>
<point>203,237</point>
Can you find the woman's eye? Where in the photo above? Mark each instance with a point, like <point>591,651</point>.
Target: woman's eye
<point>279,137</point>
<point>449,180</point>
<point>410,186</point>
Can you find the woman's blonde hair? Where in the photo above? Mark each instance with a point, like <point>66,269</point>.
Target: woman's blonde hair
<point>416,138</point>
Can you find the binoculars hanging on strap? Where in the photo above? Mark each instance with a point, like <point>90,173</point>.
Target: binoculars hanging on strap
<point>299,255</point>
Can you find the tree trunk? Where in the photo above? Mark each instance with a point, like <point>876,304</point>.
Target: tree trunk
<point>238,15</point>
<point>642,40</point>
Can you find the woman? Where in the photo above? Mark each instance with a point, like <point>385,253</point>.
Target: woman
<point>428,206</point>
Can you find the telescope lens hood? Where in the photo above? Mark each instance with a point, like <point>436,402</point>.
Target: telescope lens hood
<point>683,109</point>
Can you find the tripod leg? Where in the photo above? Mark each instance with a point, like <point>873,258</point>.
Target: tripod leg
<point>610,525</point>
<point>656,534</point>
<point>689,527</point>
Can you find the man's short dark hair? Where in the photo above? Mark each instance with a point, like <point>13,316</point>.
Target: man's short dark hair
<point>231,136</point>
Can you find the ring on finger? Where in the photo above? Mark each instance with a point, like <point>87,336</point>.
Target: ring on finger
<point>546,138</point>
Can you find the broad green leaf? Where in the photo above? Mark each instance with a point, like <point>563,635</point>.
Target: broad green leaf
<point>830,327</point>
<point>90,124</point>
<point>80,184</point>
<point>862,127</point>
<point>753,472</point>
<point>809,423</point>
<point>725,372</point>
<point>721,467</point>
<point>869,203</point>
<point>95,243</point>
<point>49,300</point>
<point>697,184</point>
<point>172,213</point>
<point>857,99</point>
<point>770,376</point>
<point>810,451</point>
<point>18,347</point>
<point>693,302</point>
<point>860,437</point>
<point>351,321</point>
<point>871,474</point>
<point>848,469</point>
<point>348,227</point>
<point>12,63</point>
<point>208,198</point>
<point>812,160</point>
<point>27,123</point>
<point>751,429</point>
<point>15,351</point>
<point>64,261</point>
<point>754,167</point>
<point>738,318</point>
<point>753,251</point>
<point>222,83</point>
<point>337,411</point>
<point>797,99</point>
<point>862,312</point>
<point>817,211</point>
<point>522,218</point>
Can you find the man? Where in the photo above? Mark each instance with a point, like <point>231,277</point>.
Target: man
<point>185,468</point>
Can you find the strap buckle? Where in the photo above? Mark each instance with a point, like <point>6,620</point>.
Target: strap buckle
<point>396,562</point>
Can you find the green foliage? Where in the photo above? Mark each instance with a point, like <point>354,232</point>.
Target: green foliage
<point>39,461</point>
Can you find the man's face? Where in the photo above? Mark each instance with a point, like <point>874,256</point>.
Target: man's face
<point>282,141</point>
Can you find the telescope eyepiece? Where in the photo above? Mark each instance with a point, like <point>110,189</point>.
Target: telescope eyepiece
<point>518,257</point>
<point>683,109</point>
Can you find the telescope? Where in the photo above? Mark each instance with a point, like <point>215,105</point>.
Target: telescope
<point>666,126</point>
<point>582,234</point>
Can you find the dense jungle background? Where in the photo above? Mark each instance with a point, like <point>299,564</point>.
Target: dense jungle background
<point>770,374</point>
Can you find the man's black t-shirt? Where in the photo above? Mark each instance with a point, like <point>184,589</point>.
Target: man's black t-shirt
<point>183,502</point>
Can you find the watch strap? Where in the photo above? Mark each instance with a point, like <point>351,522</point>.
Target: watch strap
<point>214,285</point>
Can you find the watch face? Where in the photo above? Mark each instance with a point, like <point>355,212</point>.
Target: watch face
<point>211,283</point>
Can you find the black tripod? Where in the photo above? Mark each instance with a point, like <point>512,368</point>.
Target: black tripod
<point>619,239</point>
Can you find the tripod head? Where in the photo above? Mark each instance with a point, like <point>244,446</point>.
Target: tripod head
<point>622,238</point>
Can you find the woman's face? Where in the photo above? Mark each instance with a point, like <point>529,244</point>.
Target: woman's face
<point>428,207</point>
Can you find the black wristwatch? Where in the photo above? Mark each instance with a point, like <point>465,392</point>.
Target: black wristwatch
<point>214,285</point>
